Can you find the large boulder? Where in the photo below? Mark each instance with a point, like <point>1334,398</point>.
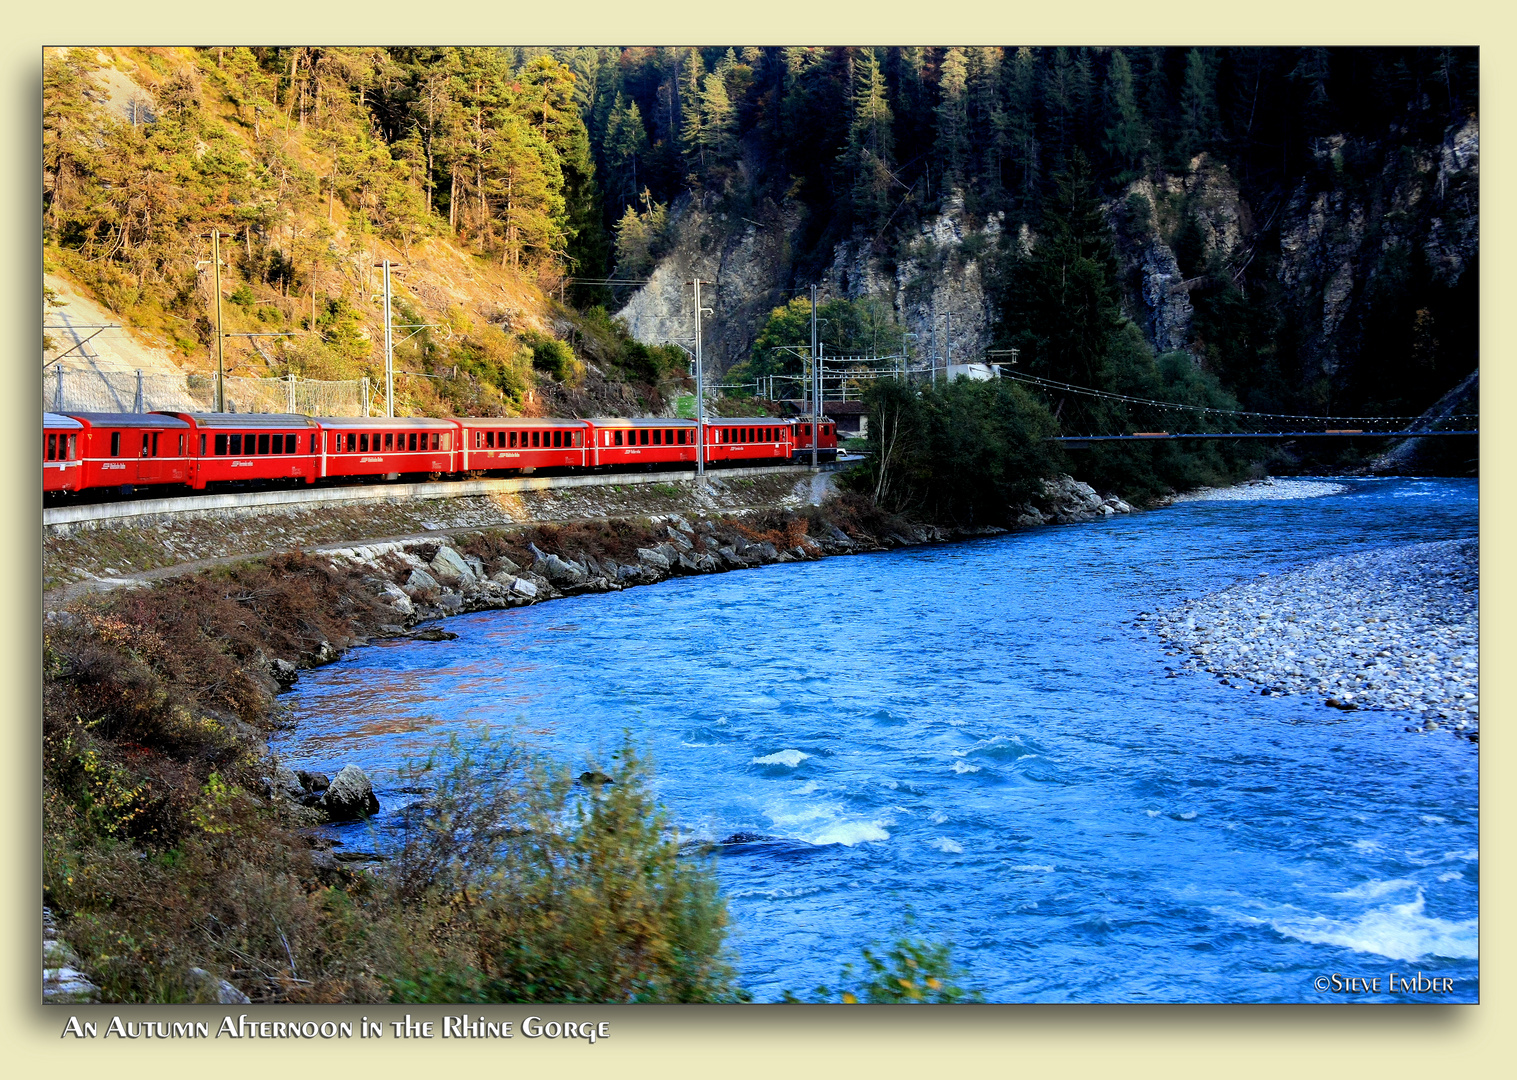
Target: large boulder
<point>448,567</point>
<point>650,557</point>
<point>392,596</point>
<point>420,580</point>
<point>350,796</point>
<point>209,987</point>
<point>560,572</point>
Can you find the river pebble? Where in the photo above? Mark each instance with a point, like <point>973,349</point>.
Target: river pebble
<point>1395,629</point>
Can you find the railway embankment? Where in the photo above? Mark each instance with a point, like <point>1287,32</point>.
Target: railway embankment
<point>166,537</point>
<point>86,554</point>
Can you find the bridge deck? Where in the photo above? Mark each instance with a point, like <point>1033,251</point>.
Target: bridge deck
<point>1076,440</point>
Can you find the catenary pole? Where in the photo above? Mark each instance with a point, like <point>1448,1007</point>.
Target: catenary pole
<point>815,406</point>
<point>389,348</point>
<point>700,390</point>
<point>220,362</point>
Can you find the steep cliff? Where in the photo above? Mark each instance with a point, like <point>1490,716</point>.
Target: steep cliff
<point>1353,286</point>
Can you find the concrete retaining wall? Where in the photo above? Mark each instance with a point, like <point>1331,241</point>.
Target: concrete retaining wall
<point>349,496</point>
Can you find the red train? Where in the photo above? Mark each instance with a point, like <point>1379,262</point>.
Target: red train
<point>98,452</point>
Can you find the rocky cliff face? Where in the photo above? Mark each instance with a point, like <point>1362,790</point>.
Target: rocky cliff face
<point>1321,251</point>
<point>744,266</point>
<point>1325,245</point>
<point>938,291</point>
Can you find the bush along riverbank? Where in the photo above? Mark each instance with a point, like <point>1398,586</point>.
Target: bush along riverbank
<point>182,864</point>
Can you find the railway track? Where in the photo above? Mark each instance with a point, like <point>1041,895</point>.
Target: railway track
<point>358,494</point>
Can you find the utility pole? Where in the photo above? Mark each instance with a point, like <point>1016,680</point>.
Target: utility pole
<point>815,405</point>
<point>947,346</point>
<point>220,362</point>
<point>932,348</point>
<point>700,390</point>
<point>389,348</point>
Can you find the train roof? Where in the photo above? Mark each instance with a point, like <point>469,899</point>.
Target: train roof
<point>519,422</point>
<point>244,420</point>
<point>640,421</point>
<point>382,422</point>
<point>744,421</point>
<point>128,420</point>
<point>58,420</point>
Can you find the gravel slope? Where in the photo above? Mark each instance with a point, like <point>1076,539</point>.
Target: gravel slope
<point>1395,629</point>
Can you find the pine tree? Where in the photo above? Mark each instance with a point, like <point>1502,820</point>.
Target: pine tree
<point>1198,107</point>
<point>718,124</point>
<point>953,119</point>
<point>692,145</point>
<point>870,143</point>
<point>986,121</point>
<point>1126,138</point>
<point>1021,130</point>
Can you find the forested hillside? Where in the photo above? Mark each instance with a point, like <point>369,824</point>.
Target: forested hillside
<point>1301,222</point>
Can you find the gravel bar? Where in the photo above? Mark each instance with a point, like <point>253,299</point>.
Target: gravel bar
<point>1394,629</point>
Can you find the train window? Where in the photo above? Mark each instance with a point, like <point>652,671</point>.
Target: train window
<point>52,448</point>
<point>411,441</point>
<point>668,438</point>
<point>642,438</point>
<point>558,438</point>
<point>679,438</point>
<point>234,444</point>
<point>447,440</point>
<point>363,442</point>
<point>616,438</point>
<point>115,444</point>
<point>434,439</point>
<point>490,440</point>
<point>155,444</point>
<point>263,444</point>
<point>658,437</point>
<point>389,440</point>
<point>219,444</point>
<point>181,446</point>
<point>202,446</point>
<point>72,449</point>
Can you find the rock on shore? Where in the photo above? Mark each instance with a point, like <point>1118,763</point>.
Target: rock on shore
<point>1393,629</point>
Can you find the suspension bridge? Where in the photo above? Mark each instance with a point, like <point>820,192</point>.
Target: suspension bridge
<point>1148,419</point>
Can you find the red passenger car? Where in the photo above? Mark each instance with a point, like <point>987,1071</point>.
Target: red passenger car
<point>827,440</point>
<point>647,441</point>
<point>512,442</point>
<point>128,449</point>
<point>750,440</point>
<point>61,466</point>
<point>249,446</point>
<point>383,446</point>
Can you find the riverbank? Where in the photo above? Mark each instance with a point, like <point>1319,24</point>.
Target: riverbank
<point>161,686</point>
<point>1395,629</point>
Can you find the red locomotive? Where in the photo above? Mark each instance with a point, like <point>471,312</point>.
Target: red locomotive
<point>101,451</point>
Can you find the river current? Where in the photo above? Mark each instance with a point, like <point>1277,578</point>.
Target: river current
<point>976,737</point>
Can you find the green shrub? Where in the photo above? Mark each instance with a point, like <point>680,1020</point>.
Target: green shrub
<point>911,972</point>
<point>523,884</point>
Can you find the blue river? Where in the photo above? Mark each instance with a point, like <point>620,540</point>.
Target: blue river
<point>976,738</point>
